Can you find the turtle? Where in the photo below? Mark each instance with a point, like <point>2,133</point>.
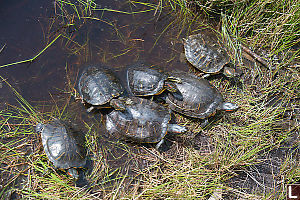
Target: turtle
<point>63,146</point>
<point>207,55</point>
<point>144,121</point>
<point>200,98</point>
<point>99,87</point>
<point>146,81</point>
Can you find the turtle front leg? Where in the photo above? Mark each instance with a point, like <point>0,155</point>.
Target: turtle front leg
<point>172,128</point>
<point>158,145</point>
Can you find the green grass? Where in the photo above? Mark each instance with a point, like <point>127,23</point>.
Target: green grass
<point>199,163</point>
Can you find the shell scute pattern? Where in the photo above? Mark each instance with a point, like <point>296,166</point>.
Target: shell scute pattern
<point>203,54</point>
<point>144,121</point>
<point>63,145</point>
<point>143,81</point>
<point>98,85</point>
<point>200,98</point>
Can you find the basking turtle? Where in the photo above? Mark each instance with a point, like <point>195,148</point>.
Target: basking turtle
<point>99,87</point>
<point>145,81</point>
<point>200,98</point>
<point>207,56</point>
<point>144,121</point>
<point>63,146</point>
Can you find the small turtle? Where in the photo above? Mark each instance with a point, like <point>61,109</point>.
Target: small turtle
<point>145,81</point>
<point>200,98</point>
<point>63,146</point>
<point>99,87</point>
<point>207,56</point>
<point>144,121</point>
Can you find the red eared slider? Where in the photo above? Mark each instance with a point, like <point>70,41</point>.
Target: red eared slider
<point>200,98</point>
<point>144,121</point>
<point>63,146</point>
<point>207,55</point>
<point>100,87</point>
<point>145,81</point>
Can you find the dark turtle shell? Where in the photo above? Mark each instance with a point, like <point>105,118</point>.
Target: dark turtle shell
<point>62,144</point>
<point>144,121</point>
<point>200,98</point>
<point>98,85</point>
<point>204,54</point>
<point>145,81</point>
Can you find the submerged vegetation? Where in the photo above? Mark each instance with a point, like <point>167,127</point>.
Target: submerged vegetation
<point>251,153</point>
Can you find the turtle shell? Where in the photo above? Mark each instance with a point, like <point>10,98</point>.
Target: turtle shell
<point>144,81</point>
<point>200,98</point>
<point>98,85</point>
<point>62,144</point>
<point>144,121</point>
<point>204,54</point>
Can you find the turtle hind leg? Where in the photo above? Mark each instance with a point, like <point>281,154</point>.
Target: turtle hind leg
<point>227,106</point>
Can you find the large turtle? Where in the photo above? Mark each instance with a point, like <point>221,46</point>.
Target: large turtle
<point>99,87</point>
<point>207,55</point>
<point>145,81</point>
<point>144,121</point>
<point>63,145</point>
<point>200,98</point>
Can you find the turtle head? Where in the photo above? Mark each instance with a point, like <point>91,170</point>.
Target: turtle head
<point>73,173</point>
<point>174,79</point>
<point>170,86</point>
<point>176,129</point>
<point>118,104</point>
<point>227,106</point>
<point>231,72</point>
